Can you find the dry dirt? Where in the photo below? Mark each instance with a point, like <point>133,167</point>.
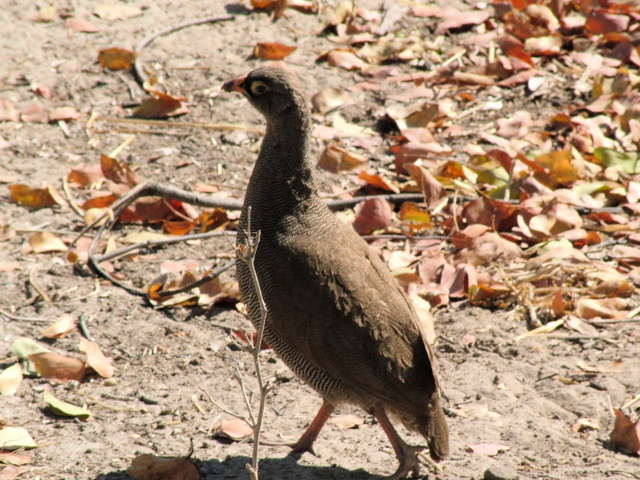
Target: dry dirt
<point>499,391</point>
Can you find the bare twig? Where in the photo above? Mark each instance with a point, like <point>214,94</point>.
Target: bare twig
<point>137,66</point>
<point>84,329</point>
<point>16,318</point>
<point>36,287</point>
<point>247,254</point>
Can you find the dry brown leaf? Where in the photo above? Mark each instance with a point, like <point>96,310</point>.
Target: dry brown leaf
<point>8,112</point>
<point>34,198</point>
<point>372,214</point>
<point>9,266</point>
<point>513,47</point>
<point>431,188</point>
<point>337,159</point>
<point>601,307</point>
<point>599,22</point>
<point>179,266</point>
<point>345,59</point>
<point>45,242</point>
<point>414,217</point>
<point>58,367</point>
<point>272,51</point>
<point>625,433</point>
<point>152,467</point>
<point>96,359</point>
<point>60,328</point>
<point>116,58</point>
<point>161,105</point>
<point>118,171</point>
<point>84,175</point>
<point>377,181</point>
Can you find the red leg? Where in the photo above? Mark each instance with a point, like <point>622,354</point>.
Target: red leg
<point>407,455</point>
<point>305,442</point>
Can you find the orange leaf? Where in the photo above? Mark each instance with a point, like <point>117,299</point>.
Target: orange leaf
<point>272,51</point>
<point>251,340</point>
<point>118,171</point>
<point>377,181</point>
<point>625,433</point>
<point>58,367</point>
<point>96,359</point>
<point>234,429</point>
<point>33,198</point>
<point>513,47</point>
<point>337,159</point>
<point>85,175</point>
<point>599,21</point>
<point>178,227</point>
<point>160,106</point>
<point>116,58</point>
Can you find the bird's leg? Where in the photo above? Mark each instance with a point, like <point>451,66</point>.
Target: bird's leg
<point>406,454</point>
<point>305,442</point>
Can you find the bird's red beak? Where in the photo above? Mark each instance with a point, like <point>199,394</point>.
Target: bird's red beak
<point>235,85</point>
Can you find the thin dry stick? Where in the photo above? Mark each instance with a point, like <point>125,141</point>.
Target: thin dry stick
<point>137,67</point>
<point>247,253</point>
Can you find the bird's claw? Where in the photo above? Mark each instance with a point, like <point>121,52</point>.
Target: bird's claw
<point>409,464</point>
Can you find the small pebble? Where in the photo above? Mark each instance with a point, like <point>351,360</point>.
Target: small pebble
<point>500,472</point>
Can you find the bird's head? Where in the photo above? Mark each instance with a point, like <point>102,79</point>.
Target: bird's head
<point>272,91</point>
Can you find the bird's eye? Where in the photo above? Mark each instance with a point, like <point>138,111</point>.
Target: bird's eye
<point>258,87</point>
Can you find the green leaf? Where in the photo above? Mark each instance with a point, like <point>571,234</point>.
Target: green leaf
<point>65,409</point>
<point>23,347</point>
<point>624,162</point>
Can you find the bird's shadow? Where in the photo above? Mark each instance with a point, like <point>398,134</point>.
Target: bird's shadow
<point>285,468</point>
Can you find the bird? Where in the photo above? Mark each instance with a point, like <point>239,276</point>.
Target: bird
<point>335,314</point>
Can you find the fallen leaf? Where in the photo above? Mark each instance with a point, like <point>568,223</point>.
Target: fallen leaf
<point>583,424</point>
<point>45,242</point>
<point>161,105</point>
<point>601,307</point>
<point>118,171</point>
<point>60,328</point>
<point>85,175</point>
<point>548,328</point>
<point>329,99</point>
<point>489,449</point>
<point>346,421</point>
<point>96,359</point>
<point>372,214</point>
<point>152,467</point>
<point>9,266</point>
<point>345,59</point>
<point>272,51</point>
<point>116,11</point>
<point>33,198</point>
<point>53,366</point>
<point>23,347</point>
<point>15,438</point>
<point>625,433</point>
<point>377,181</point>
<point>141,237</point>
<point>599,22</point>
<point>64,409</point>
<point>513,47</point>
<point>234,429</point>
<point>8,112</point>
<point>80,25</point>
<point>461,19</point>
<point>10,380</point>
<point>14,458</point>
<point>337,159</point>
<point>63,113</point>
<point>116,58</point>
<point>431,188</point>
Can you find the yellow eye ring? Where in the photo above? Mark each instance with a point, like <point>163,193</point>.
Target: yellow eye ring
<point>258,87</point>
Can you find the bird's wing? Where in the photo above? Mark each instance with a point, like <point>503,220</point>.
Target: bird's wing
<point>345,313</point>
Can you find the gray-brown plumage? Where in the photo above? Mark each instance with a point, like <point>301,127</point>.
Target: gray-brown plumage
<point>336,316</point>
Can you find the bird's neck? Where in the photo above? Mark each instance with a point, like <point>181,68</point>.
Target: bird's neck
<point>284,174</point>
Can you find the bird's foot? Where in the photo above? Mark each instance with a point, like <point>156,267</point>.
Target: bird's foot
<point>409,463</point>
<point>301,446</point>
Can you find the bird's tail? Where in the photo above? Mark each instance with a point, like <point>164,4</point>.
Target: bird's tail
<point>434,428</point>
